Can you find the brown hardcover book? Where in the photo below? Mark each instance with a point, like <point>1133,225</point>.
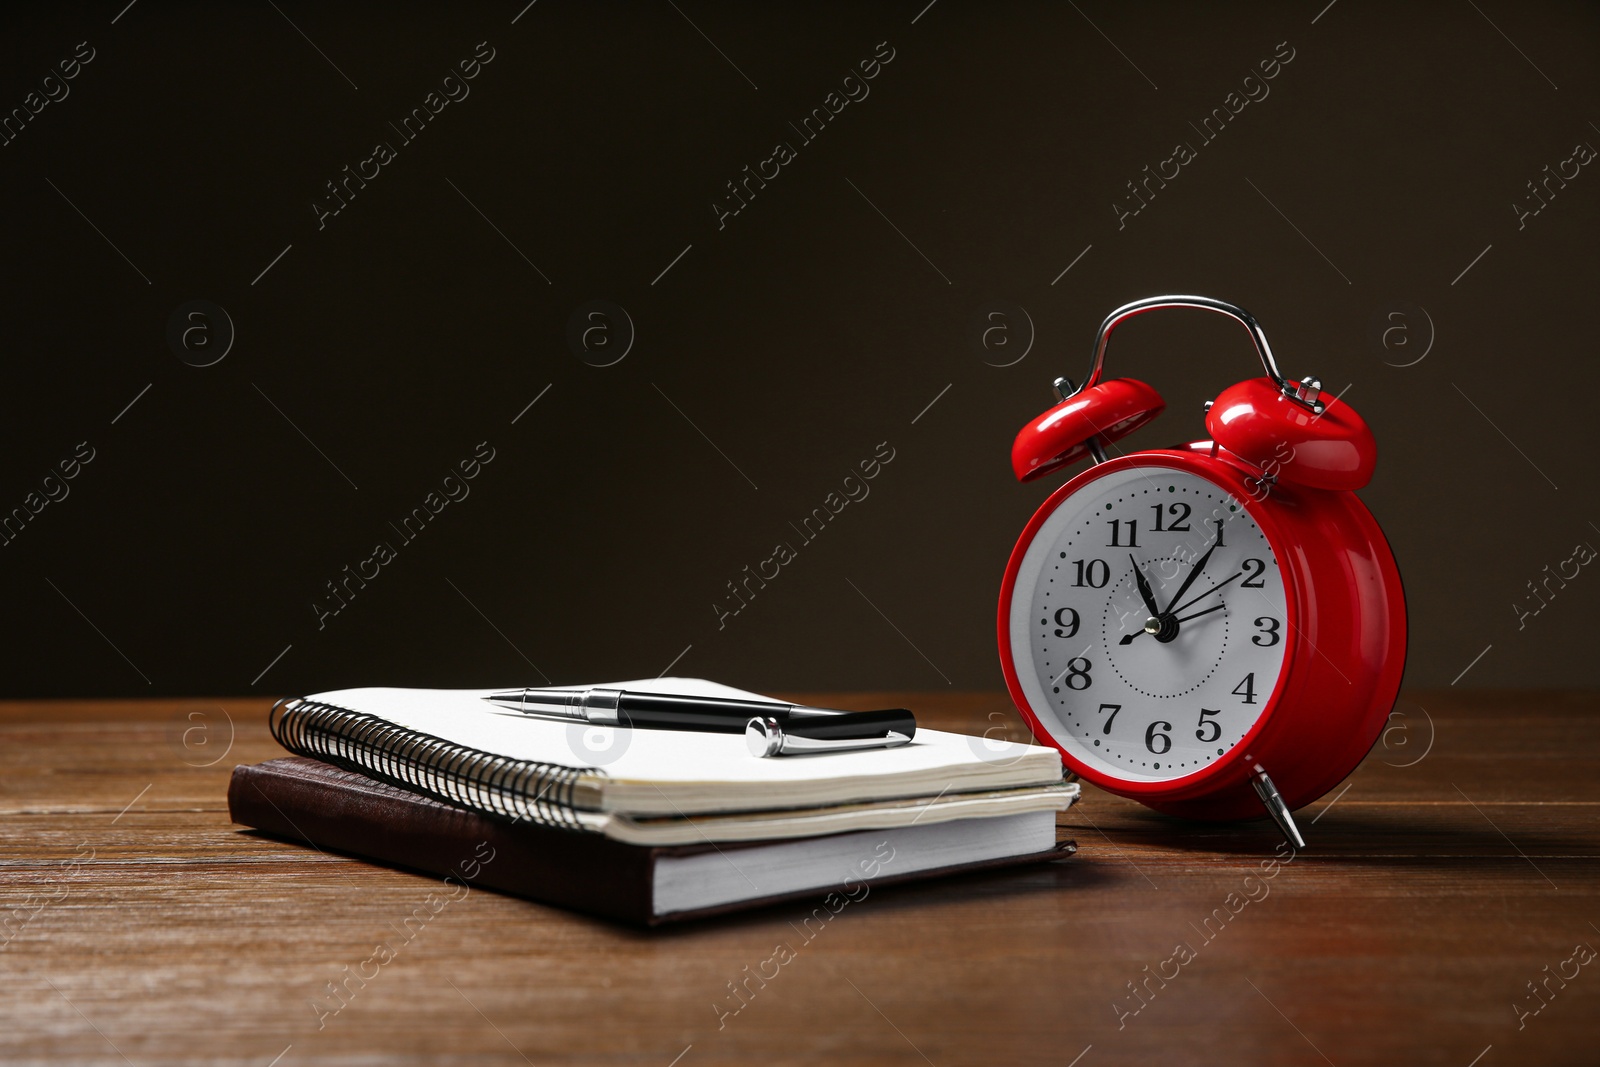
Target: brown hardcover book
<point>305,800</point>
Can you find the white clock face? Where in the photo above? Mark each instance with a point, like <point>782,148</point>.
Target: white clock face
<point>1156,683</point>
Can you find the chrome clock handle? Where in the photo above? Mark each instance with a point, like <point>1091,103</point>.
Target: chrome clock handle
<point>1306,392</point>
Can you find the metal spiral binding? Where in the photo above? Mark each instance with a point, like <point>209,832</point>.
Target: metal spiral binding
<point>516,789</point>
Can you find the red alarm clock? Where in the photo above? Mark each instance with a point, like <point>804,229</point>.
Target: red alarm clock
<point>1214,626</point>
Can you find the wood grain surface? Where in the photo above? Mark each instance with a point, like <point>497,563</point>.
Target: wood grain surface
<point>1457,865</point>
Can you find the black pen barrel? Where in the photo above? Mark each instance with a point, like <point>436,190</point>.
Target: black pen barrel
<point>665,711</point>
<point>825,725</point>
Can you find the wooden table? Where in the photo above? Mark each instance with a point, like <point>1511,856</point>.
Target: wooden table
<point>141,927</point>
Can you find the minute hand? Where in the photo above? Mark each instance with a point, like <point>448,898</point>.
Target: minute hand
<point>1187,582</point>
<point>1195,600</point>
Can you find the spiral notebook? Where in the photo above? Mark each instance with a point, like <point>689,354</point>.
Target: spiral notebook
<point>660,787</point>
<point>308,801</point>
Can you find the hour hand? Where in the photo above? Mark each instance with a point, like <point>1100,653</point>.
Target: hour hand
<point>1145,592</point>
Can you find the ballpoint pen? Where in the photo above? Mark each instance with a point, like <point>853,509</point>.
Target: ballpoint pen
<point>771,728</point>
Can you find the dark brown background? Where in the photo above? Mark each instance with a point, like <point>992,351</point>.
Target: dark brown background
<point>796,339</point>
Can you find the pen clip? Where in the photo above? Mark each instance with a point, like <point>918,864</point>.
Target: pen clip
<point>765,736</point>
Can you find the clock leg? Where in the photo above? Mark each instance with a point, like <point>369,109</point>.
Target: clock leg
<point>1276,807</point>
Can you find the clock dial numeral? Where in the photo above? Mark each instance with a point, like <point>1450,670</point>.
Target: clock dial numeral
<point>1216,727</point>
<point>1071,628</point>
<point>1180,522</point>
<point>1253,569</point>
<point>1220,523</point>
<point>1269,635</point>
<point>1116,533</point>
<point>1076,673</point>
<point>1248,687</point>
<point>1154,734</point>
<point>1114,709</point>
<point>1087,573</point>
